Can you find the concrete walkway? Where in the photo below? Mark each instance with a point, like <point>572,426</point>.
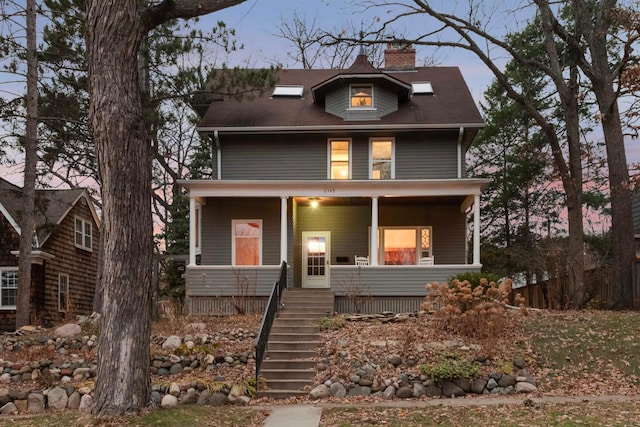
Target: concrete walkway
<point>309,415</point>
<point>294,416</point>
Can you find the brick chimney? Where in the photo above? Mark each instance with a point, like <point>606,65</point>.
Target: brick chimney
<point>399,56</point>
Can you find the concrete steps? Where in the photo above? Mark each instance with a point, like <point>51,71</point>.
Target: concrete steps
<point>289,366</point>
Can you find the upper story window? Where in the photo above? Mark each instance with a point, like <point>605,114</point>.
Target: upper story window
<point>339,159</point>
<point>381,159</point>
<point>247,241</point>
<point>361,96</point>
<point>8,288</point>
<point>84,233</point>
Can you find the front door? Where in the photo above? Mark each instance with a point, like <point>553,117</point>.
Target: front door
<point>316,256</point>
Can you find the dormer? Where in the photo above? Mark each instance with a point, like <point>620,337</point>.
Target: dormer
<point>361,92</point>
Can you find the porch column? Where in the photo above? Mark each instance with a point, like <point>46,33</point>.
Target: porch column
<point>373,255</point>
<point>476,229</point>
<point>283,228</point>
<point>192,230</point>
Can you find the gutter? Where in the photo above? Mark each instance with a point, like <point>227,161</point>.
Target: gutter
<point>333,128</point>
<point>216,138</point>
<point>460,136</point>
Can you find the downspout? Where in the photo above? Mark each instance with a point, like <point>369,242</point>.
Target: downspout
<point>216,139</point>
<point>460,135</point>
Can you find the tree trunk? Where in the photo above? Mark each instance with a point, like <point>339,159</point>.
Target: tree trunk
<point>114,32</point>
<point>27,222</point>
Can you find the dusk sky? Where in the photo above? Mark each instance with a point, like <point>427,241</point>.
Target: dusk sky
<point>257,21</point>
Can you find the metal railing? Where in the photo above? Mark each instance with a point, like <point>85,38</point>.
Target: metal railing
<point>269,315</point>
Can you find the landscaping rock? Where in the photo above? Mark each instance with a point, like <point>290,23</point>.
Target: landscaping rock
<point>360,391</point>
<point>389,392</point>
<point>449,389</point>
<point>320,392</point>
<point>9,409</point>
<point>172,342</point>
<point>217,399</point>
<point>506,381</point>
<point>74,400</point>
<point>169,401</point>
<point>57,398</point>
<point>404,393</point>
<point>433,391</point>
<point>35,403</point>
<point>86,402</point>
<point>525,387</point>
<point>478,385</point>
<point>395,360</point>
<point>419,390</point>
<point>337,390</point>
<point>67,331</point>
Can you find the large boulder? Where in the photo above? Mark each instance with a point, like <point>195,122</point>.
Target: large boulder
<point>67,331</point>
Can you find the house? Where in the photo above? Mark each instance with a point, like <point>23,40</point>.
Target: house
<point>333,165</point>
<point>64,258</point>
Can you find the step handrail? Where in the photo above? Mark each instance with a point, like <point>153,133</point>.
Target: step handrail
<point>269,315</point>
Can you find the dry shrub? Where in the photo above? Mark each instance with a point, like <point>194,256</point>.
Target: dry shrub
<point>472,312</point>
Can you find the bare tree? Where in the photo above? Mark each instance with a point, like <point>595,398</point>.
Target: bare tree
<point>115,30</point>
<point>575,47</point>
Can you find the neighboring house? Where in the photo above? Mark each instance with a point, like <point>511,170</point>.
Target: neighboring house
<point>331,165</point>
<point>64,257</point>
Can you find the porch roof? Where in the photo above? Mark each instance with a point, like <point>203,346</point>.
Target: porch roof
<point>335,188</point>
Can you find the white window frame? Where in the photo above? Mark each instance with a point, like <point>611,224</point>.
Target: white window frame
<point>373,99</point>
<point>63,289</point>
<point>83,233</point>
<point>233,240</point>
<point>417,228</point>
<point>2,271</point>
<point>330,160</point>
<point>393,155</point>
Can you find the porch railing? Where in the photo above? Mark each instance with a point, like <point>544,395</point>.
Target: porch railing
<point>269,315</point>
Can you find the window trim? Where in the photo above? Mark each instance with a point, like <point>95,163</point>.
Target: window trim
<point>84,222</point>
<point>330,161</point>
<point>417,228</point>
<point>198,230</point>
<point>233,241</point>
<point>392,160</point>
<point>364,107</point>
<point>4,270</point>
<point>60,282</point>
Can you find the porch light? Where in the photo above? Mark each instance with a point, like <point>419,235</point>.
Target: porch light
<point>314,203</point>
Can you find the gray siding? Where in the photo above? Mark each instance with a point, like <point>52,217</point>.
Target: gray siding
<point>427,156</point>
<point>217,214</point>
<point>430,155</point>
<point>224,282</point>
<point>337,103</point>
<point>274,157</point>
<point>405,280</point>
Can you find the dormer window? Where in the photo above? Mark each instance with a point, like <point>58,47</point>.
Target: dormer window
<point>361,96</point>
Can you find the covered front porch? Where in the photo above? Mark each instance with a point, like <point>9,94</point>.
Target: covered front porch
<point>319,228</point>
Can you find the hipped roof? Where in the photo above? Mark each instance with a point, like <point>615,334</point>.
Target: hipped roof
<point>450,106</point>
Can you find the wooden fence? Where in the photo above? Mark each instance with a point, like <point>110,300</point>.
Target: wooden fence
<point>554,293</point>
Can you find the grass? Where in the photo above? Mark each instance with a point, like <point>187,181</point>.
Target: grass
<point>587,344</point>
<point>591,414</point>
<point>188,415</point>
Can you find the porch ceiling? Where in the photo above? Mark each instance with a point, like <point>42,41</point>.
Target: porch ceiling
<point>337,188</point>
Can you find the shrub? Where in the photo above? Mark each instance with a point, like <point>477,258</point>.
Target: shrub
<point>450,366</point>
<point>474,311</point>
<point>476,278</point>
<point>331,323</point>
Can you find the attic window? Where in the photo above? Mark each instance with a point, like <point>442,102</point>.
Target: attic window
<point>288,91</point>
<point>361,96</point>
<point>421,88</point>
